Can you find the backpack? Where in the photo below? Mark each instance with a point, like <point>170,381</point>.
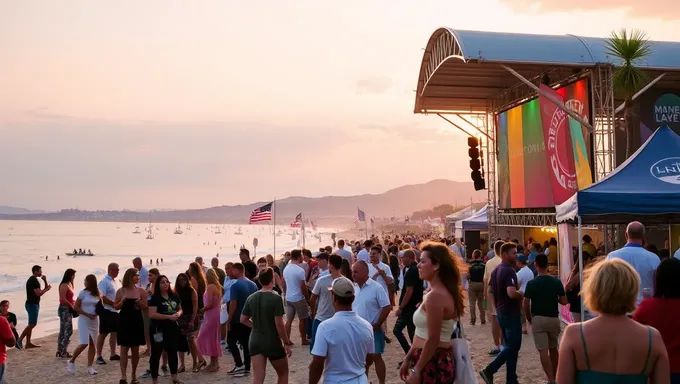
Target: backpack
<point>476,271</point>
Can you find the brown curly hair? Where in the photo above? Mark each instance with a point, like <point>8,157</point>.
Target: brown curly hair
<point>451,270</point>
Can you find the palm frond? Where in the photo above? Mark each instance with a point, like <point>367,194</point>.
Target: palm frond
<point>631,48</point>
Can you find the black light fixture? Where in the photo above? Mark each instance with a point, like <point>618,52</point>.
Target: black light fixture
<point>545,79</point>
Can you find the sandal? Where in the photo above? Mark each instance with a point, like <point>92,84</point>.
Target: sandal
<point>122,381</point>
<point>135,381</point>
<point>179,370</point>
<point>201,365</point>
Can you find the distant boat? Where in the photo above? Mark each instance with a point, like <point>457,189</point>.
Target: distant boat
<point>149,232</point>
<point>178,230</point>
<point>136,231</point>
<point>218,231</point>
<point>238,231</point>
<point>79,254</point>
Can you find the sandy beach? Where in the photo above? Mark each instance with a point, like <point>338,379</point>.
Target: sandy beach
<point>39,366</point>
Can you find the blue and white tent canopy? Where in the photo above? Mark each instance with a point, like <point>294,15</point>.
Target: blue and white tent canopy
<point>477,222</point>
<point>645,187</point>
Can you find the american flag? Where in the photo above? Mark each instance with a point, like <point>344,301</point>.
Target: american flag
<point>264,213</point>
<point>361,216</point>
<point>298,221</point>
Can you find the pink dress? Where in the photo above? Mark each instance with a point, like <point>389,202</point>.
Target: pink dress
<point>209,335</point>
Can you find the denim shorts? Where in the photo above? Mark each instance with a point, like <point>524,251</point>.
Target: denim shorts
<point>32,310</point>
<point>379,342</point>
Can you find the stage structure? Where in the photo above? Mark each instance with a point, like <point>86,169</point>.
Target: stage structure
<point>469,78</point>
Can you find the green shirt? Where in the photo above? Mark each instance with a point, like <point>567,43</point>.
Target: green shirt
<point>544,292</point>
<point>262,308</point>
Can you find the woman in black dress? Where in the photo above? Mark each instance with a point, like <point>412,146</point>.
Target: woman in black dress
<point>130,300</point>
<point>187,324</point>
<point>165,308</point>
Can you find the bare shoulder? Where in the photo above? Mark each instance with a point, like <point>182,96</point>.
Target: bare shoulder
<point>438,299</point>
<point>571,332</point>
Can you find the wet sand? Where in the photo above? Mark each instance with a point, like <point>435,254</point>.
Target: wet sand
<point>38,366</point>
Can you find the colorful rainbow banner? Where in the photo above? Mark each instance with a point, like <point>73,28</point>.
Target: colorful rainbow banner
<point>524,169</point>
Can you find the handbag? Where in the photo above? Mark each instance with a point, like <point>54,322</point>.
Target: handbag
<point>465,372</point>
<point>73,312</point>
<point>158,336</point>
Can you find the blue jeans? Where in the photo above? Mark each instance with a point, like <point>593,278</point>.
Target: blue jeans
<point>511,328</point>
<point>404,320</point>
<point>675,378</point>
<point>315,325</point>
<point>3,368</point>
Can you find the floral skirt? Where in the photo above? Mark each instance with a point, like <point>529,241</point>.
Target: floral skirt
<point>441,368</point>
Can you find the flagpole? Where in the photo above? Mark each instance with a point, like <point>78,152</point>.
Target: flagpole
<point>302,226</point>
<point>274,208</point>
<point>366,225</point>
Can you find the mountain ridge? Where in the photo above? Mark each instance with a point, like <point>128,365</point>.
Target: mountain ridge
<point>400,201</point>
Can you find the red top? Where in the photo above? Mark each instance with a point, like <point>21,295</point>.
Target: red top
<point>69,297</point>
<point>663,314</point>
<point>5,334</point>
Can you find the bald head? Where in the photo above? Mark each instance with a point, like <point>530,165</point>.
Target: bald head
<point>635,232</point>
<point>360,272</point>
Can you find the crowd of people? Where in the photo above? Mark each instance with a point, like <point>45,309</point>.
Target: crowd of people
<point>341,298</point>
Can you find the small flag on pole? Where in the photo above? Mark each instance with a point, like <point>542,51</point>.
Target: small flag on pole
<point>361,216</point>
<point>264,213</point>
<point>298,221</point>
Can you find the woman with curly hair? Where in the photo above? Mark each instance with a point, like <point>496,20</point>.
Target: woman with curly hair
<point>430,359</point>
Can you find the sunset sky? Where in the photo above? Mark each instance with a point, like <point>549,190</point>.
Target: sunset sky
<point>169,104</point>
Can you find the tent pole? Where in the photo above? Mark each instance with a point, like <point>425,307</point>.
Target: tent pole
<point>580,266</point>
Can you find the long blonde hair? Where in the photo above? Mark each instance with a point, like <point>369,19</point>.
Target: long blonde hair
<point>211,278</point>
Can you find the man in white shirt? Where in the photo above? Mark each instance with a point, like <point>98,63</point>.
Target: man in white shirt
<point>524,276</point>
<point>343,342</point>
<point>371,304</point>
<point>296,295</point>
<point>458,248</point>
<point>143,272</point>
<point>321,304</point>
<point>382,273</point>
<point>379,271</point>
<point>322,264</point>
<point>644,262</point>
<point>342,252</point>
<point>108,319</point>
<point>363,254</point>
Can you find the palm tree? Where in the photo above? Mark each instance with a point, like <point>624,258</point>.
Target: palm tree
<point>630,48</point>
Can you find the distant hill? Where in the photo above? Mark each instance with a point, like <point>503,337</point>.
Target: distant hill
<point>5,210</point>
<point>397,202</point>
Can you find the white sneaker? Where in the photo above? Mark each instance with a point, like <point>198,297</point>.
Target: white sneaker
<point>71,367</point>
<point>91,371</point>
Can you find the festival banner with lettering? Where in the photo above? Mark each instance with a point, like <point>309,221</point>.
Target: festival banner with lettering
<point>558,147</point>
<point>523,156</point>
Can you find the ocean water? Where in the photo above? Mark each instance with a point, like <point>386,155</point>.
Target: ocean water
<point>26,243</point>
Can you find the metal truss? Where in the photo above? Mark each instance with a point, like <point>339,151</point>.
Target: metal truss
<point>445,46</point>
<point>491,158</point>
<point>526,218</point>
<point>604,122</point>
<point>604,135</point>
